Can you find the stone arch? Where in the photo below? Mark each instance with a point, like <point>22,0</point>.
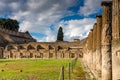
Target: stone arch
<point>51,47</point>
<point>29,47</point>
<point>39,47</point>
<point>21,47</point>
<point>59,47</point>
<point>10,47</point>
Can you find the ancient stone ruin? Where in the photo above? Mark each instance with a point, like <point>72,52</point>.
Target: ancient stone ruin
<point>100,51</point>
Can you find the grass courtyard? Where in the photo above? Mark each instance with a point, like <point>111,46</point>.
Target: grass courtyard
<point>32,69</point>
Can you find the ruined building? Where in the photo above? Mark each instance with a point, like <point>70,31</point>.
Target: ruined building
<point>14,44</point>
<point>44,50</point>
<point>9,35</point>
<point>101,52</point>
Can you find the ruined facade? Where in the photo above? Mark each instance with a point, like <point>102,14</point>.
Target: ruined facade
<point>14,44</point>
<point>44,50</point>
<point>102,49</point>
<point>13,37</point>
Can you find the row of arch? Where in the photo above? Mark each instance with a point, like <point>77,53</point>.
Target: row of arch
<point>40,51</point>
<point>42,55</point>
<point>38,47</point>
<point>10,47</point>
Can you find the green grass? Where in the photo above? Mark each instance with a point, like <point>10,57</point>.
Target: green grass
<point>32,69</point>
<point>78,72</point>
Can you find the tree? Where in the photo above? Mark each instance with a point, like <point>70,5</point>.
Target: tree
<point>9,24</point>
<point>60,34</point>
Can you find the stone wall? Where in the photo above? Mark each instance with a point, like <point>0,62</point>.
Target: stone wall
<point>102,49</point>
<point>43,50</point>
<point>8,36</point>
<point>116,40</point>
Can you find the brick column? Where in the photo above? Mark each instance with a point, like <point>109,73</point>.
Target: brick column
<point>106,40</point>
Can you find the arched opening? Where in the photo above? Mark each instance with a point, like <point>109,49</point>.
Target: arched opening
<point>39,47</point>
<point>20,47</point>
<point>63,55</point>
<point>31,55</point>
<point>59,47</point>
<point>21,55</point>
<point>72,55</point>
<point>30,47</point>
<point>10,47</point>
<point>11,55</point>
<point>51,47</point>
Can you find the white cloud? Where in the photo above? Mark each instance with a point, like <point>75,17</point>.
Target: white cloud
<point>90,7</point>
<point>38,15</point>
<point>77,28</point>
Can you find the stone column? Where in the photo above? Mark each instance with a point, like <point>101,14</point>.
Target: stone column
<point>106,40</point>
<point>94,48</point>
<point>88,47</point>
<point>116,40</point>
<point>116,19</point>
<point>91,48</point>
<point>98,46</point>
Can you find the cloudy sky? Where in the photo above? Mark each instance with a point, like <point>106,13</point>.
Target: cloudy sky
<point>42,18</point>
